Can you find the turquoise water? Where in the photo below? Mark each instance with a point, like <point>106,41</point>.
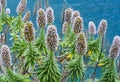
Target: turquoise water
<point>94,10</point>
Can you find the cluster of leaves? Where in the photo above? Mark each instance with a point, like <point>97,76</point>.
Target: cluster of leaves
<point>110,75</point>
<point>48,71</point>
<point>10,76</point>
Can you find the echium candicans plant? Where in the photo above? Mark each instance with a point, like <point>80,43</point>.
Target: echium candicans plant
<point>17,24</point>
<point>41,22</point>
<point>49,71</point>
<point>68,43</point>
<point>75,67</point>
<point>26,51</point>
<point>110,73</point>
<point>5,63</point>
<point>95,46</point>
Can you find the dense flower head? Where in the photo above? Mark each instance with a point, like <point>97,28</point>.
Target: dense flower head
<point>50,15</point>
<point>74,14</point>
<point>52,37</point>
<point>7,11</point>
<point>64,27</point>
<point>21,6</point>
<point>41,19</point>
<point>68,14</point>
<point>29,31</point>
<point>26,16</point>
<point>115,47</point>
<point>3,2</point>
<point>81,44</point>
<point>102,27</point>
<point>2,39</point>
<point>6,56</point>
<point>92,28</point>
<point>78,25</point>
<point>0,8</point>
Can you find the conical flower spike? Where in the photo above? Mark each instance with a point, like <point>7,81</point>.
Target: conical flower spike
<point>102,27</point>
<point>92,28</point>
<point>115,47</point>
<point>78,25</point>
<point>26,16</point>
<point>29,31</point>
<point>6,56</point>
<point>41,19</point>
<point>21,6</point>
<point>81,44</point>
<point>49,15</point>
<point>68,14</point>
<point>52,37</point>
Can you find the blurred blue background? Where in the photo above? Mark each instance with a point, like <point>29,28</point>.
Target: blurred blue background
<point>90,10</point>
